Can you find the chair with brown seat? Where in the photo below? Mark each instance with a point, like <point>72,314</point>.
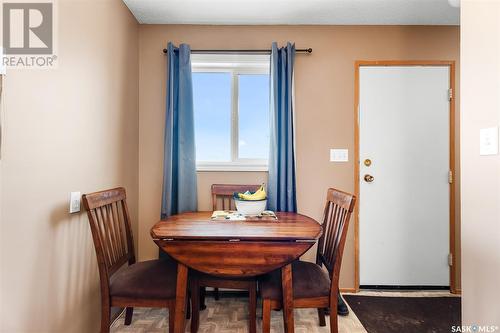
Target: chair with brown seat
<point>312,286</point>
<point>142,284</point>
<point>223,194</point>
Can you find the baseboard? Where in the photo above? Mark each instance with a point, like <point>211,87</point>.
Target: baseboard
<point>348,290</point>
<point>228,293</point>
<point>237,293</point>
<point>387,287</point>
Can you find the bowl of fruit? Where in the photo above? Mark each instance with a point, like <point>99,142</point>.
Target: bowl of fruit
<point>251,203</point>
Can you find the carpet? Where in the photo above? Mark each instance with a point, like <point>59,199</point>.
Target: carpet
<point>406,314</point>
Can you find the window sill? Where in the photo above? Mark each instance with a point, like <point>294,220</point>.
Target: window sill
<point>231,168</point>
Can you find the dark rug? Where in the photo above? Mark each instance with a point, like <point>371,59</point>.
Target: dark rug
<point>406,314</point>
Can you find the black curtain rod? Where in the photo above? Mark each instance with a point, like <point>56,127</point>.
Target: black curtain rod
<point>307,51</point>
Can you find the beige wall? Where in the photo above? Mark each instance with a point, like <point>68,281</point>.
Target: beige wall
<point>480,174</point>
<point>74,128</point>
<point>324,86</point>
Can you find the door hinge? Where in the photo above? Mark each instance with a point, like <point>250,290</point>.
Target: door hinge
<point>450,94</point>
<point>450,177</point>
<point>450,259</point>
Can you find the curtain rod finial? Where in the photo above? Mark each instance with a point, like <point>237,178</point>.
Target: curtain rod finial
<point>309,50</point>
<point>165,51</point>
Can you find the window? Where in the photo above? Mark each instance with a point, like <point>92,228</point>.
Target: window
<point>231,111</point>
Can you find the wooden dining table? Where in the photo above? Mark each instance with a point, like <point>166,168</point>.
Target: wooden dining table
<point>228,248</point>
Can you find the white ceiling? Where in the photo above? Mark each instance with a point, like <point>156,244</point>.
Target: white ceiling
<point>348,12</point>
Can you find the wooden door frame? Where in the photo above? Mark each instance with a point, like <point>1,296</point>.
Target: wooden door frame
<point>357,65</point>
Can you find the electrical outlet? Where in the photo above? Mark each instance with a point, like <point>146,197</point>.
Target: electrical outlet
<point>74,202</point>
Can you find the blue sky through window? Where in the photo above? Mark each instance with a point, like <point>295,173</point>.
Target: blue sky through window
<point>253,116</point>
<point>212,116</point>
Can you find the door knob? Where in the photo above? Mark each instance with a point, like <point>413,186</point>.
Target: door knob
<point>369,178</point>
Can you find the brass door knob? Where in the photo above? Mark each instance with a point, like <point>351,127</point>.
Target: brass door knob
<point>369,178</point>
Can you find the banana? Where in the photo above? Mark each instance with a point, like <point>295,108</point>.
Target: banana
<point>260,194</point>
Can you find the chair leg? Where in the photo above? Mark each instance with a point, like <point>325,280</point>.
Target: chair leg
<point>321,316</point>
<point>129,312</point>
<point>188,306</point>
<point>105,318</point>
<point>266,315</point>
<point>216,294</point>
<point>252,308</point>
<point>334,325</point>
<point>203,292</point>
<point>171,319</point>
<point>195,305</point>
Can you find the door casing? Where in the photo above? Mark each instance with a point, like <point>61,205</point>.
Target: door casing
<point>357,66</point>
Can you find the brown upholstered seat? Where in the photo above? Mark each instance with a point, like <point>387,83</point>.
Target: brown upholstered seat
<point>153,279</point>
<point>125,282</point>
<point>308,280</point>
<point>312,287</point>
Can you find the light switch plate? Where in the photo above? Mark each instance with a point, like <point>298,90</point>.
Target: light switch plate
<point>74,202</point>
<point>339,155</point>
<point>488,141</point>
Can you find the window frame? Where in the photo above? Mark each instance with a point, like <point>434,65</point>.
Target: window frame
<point>235,65</point>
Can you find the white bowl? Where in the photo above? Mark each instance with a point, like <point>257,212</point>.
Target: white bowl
<point>250,207</point>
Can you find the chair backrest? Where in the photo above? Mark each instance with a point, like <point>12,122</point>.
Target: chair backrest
<point>223,194</point>
<point>111,231</point>
<point>338,209</point>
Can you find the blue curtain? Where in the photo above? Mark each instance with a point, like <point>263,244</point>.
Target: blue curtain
<point>281,183</point>
<point>179,165</point>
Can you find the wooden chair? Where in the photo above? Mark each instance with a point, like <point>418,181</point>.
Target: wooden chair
<point>312,286</point>
<point>143,284</point>
<point>223,194</point>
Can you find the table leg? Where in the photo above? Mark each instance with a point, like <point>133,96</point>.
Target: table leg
<point>180,298</point>
<point>286,283</point>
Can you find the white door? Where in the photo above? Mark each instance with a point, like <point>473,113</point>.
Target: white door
<point>404,211</point>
